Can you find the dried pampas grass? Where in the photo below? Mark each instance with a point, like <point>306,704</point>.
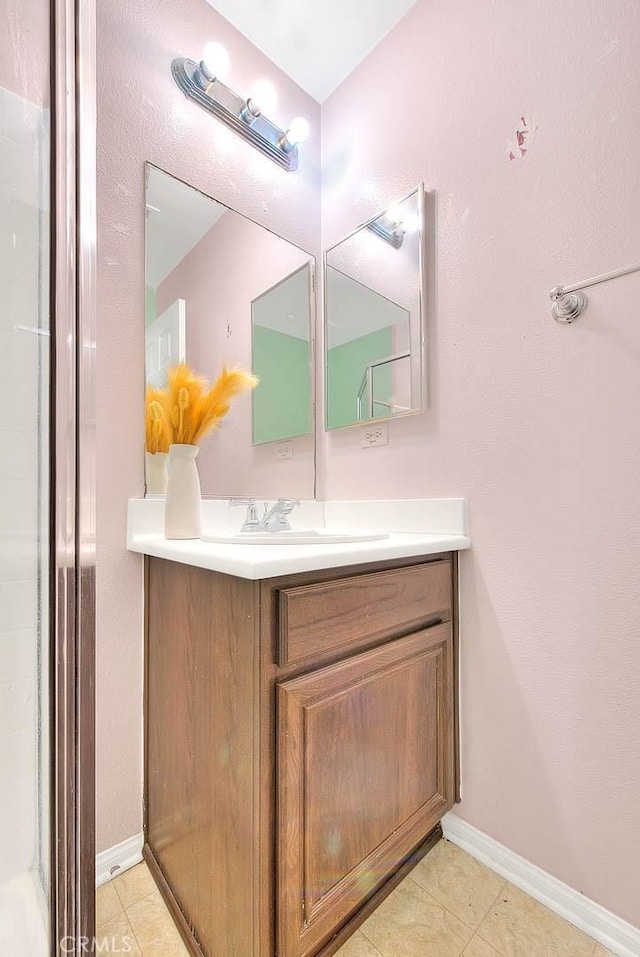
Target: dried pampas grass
<point>189,409</point>
<point>157,427</point>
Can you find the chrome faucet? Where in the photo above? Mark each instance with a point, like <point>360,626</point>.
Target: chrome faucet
<point>274,519</point>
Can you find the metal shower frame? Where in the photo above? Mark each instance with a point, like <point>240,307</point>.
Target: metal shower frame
<point>72,470</point>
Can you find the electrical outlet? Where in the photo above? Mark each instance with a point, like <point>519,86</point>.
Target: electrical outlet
<point>375,435</point>
<point>284,450</point>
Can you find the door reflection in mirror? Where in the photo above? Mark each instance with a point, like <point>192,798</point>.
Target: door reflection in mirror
<point>374,340</point>
<point>223,290</point>
<point>166,339</point>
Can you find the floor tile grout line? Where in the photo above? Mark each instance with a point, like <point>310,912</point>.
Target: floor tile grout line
<point>488,943</point>
<point>437,903</point>
<point>444,907</point>
<point>368,940</point>
<point>124,914</point>
<point>135,936</point>
<point>119,903</point>
<point>168,912</point>
<point>111,917</point>
<point>145,898</point>
<point>467,942</point>
<point>564,920</point>
<point>486,914</point>
<point>115,887</point>
<point>474,930</point>
<point>127,908</point>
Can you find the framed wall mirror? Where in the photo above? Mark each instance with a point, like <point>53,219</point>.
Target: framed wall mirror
<point>223,290</point>
<point>375,364</point>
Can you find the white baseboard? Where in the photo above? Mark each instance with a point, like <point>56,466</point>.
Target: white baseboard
<point>117,859</point>
<point>610,931</point>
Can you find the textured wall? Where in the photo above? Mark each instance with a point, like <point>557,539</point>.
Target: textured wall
<point>142,116</point>
<point>535,423</point>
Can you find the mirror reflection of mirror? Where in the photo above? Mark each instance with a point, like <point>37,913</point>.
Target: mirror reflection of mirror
<point>282,359</point>
<point>374,340</point>
<point>222,290</point>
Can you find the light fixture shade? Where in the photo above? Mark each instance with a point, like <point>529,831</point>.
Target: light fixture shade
<point>411,222</point>
<point>264,95</point>
<point>298,131</point>
<point>216,60</point>
<point>396,215</point>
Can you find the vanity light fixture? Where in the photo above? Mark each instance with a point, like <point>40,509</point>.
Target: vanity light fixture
<point>202,82</point>
<point>393,225</point>
<point>388,229</point>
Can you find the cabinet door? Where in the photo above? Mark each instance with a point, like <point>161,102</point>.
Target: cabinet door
<point>366,770</point>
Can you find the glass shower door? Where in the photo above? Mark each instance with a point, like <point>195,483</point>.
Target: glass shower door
<point>25,775</point>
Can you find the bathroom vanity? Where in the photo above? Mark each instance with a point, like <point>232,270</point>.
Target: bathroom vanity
<point>300,712</point>
<point>301,742</point>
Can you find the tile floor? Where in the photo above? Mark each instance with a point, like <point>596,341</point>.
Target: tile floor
<point>449,906</point>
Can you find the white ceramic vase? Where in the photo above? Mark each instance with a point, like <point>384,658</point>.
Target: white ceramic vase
<point>183,506</point>
<point>156,472</point>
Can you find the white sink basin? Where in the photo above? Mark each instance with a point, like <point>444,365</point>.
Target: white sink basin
<point>297,536</point>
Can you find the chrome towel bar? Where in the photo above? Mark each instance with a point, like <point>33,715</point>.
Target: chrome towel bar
<point>569,302</point>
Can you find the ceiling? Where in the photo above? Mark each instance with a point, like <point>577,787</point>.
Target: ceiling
<point>316,42</point>
<point>357,311</point>
<point>285,307</point>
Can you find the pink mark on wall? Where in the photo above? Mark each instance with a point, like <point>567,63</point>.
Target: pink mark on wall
<point>519,145</point>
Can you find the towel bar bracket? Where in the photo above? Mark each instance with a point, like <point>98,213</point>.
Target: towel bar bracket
<point>567,306</point>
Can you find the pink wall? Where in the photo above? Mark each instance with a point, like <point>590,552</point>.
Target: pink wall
<point>533,422</point>
<point>234,263</point>
<point>143,116</point>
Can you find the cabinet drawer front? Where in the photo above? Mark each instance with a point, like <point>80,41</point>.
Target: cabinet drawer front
<point>346,614</point>
<point>365,758</point>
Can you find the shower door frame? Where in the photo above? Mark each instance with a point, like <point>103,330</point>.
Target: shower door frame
<point>72,473</point>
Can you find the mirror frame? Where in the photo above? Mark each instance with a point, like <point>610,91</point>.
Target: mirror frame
<point>422,299</point>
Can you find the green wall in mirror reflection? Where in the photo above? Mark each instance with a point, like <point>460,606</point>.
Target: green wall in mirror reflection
<point>346,365</point>
<point>281,358</point>
<point>281,401</point>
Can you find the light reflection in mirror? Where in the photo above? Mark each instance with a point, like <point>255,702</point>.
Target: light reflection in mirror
<point>374,300</point>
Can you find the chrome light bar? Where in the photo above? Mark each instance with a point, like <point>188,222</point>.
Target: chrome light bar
<point>239,113</point>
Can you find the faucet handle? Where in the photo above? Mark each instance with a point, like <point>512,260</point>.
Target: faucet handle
<point>251,521</point>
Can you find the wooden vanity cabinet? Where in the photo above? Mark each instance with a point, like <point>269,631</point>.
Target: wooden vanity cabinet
<point>300,746</point>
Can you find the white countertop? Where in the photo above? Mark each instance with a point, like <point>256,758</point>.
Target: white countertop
<point>415,527</point>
